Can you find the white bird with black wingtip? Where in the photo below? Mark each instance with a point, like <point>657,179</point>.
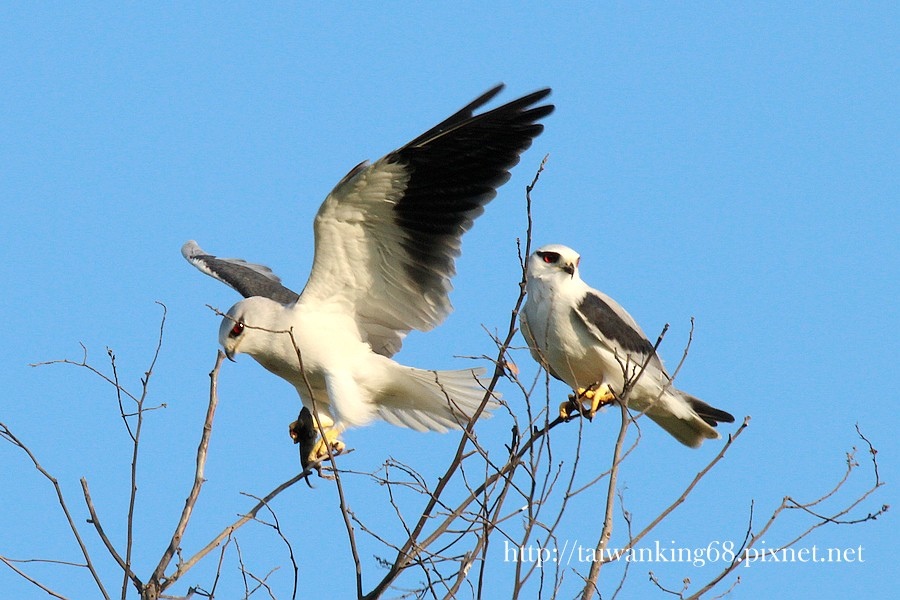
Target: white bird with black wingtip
<point>386,240</point>
<point>586,339</point>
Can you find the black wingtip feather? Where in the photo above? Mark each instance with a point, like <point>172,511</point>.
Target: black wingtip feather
<point>459,116</point>
<point>455,169</point>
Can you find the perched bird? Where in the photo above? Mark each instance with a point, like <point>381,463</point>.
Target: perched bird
<point>386,239</point>
<point>586,339</point>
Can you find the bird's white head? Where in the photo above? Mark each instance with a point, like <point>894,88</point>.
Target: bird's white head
<point>240,329</point>
<point>553,262</point>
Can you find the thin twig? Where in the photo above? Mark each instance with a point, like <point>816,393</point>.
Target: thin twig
<point>202,449</point>
<point>83,364</point>
<point>30,579</point>
<point>7,434</point>
<point>787,503</point>
<point>228,531</point>
<point>95,521</point>
<point>412,547</point>
<point>212,592</point>
<point>590,585</point>
<point>732,438</point>
<point>337,477</point>
<point>626,516</point>
<point>277,527</point>
<point>136,439</point>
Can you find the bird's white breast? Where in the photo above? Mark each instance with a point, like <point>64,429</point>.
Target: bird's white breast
<point>549,316</point>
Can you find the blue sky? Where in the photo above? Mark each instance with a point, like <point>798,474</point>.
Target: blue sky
<point>735,164</point>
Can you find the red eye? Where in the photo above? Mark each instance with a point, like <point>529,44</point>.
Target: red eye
<point>549,257</point>
<point>236,330</point>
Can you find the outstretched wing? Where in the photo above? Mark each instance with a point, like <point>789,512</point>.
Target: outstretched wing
<point>388,235</point>
<point>247,278</point>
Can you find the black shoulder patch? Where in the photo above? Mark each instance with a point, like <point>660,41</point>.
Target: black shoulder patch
<point>598,313</point>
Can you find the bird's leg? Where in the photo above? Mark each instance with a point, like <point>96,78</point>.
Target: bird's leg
<point>327,445</point>
<point>587,401</point>
<point>573,404</point>
<point>599,395</point>
<point>312,448</point>
<point>569,408</point>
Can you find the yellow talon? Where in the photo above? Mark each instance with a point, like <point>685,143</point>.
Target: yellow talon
<point>312,450</point>
<point>586,401</point>
<point>571,408</point>
<point>327,445</point>
<point>599,397</point>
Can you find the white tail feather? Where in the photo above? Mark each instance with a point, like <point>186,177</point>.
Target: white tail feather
<point>435,400</point>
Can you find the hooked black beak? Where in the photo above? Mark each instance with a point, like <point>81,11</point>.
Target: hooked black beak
<point>230,355</point>
<point>569,268</point>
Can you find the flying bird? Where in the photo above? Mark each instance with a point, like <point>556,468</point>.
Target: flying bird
<point>586,339</point>
<point>386,240</point>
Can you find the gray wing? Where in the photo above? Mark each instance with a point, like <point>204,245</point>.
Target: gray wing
<point>611,325</point>
<point>388,235</point>
<point>247,278</point>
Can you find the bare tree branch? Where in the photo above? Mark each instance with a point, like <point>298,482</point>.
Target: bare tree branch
<point>95,521</point>
<point>157,579</point>
<point>136,438</point>
<point>744,553</point>
<point>412,547</point>
<point>8,435</point>
<point>519,492</point>
<point>690,487</point>
<point>337,477</point>
<point>590,584</point>
<point>228,531</point>
<point>277,527</point>
<point>9,563</point>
